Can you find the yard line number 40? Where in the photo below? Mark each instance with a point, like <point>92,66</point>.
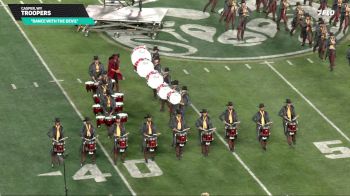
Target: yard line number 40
<point>333,152</point>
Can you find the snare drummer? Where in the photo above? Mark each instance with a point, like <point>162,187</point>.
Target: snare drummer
<point>108,104</point>
<point>117,130</point>
<point>147,129</point>
<point>261,118</point>
<point>203,122</point>
<point>96,68</point>
<point>229,116</point>
<point>56,133</point>
<point>177,124</point>
<point>106,85</point>
<point>87,132</point>
<point>287,113</point>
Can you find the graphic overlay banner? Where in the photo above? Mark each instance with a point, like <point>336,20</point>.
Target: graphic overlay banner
<point>51,14</point>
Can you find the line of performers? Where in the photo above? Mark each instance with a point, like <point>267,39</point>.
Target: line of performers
<point>179,131</point>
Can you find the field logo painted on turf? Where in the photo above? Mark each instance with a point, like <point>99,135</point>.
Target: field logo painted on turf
<point>135,172</point>
<point>186,33</point>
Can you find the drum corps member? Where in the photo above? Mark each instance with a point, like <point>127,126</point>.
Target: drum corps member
<point>318,34</point>
<point>105,86</point>
<point>231,14</point>
<point>96,68</point>
<point>243,19</point>
<point>87,132</point>
<point>185,100</point>
<point>177,124</point>
<point>155,54</point>
<point>114,71</point>
<point>203,122</point>
<point>331,43</point>
<point>287,113</point>
<point>298,17</point>
<point>337,4</point>
<point>261,118</point>
<point>344,16</point>
<point>147,129</point>
<point>271,8</point>
<point>282,14</point>
<point>108,104</point>
<point>117,130</point>
<point>55,133</point>
<point>323,5</point>
<point>157,67</point>
<point>229,116</point>
<point>323,41</point>
<point>306,30</point>
<point>167,80</point>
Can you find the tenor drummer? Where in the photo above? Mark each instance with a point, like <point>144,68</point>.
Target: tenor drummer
<point>105,86</point>
<point>96,68</point>
<point>56,133</point>
<point>108,104</point>
<point>87,132</point>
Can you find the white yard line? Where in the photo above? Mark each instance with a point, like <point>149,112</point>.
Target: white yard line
<point>239,159</point>
<point>67,97</point>
<point>78,79</point>
<point>308,101</point>
<point>228,69</point>
<point>59,1</point>
<point>185,71</point>
<point>13,86</point>
<point>36,84</point>
<point>309,60</point>
<point>206,69</point>
<point>21,2</point>
<point>40,1</point>
<point>101,2</point>
<point>290,63</point>
<point>57,81</point>
<point>248,66</point>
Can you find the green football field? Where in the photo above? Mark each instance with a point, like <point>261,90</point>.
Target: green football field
<point>28,110</point>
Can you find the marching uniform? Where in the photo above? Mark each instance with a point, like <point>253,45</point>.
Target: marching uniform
<point>286,112</point>
<point>323,45</point>
<point>337,5</point>
<point>113,70</point>
<point>178,124</point>
<point>229,116</point>
<point>203,122</point>
<point>261,117</point>
<point>243,19</point>
<point>282,14</point>
<point>231,14</point>
<point>87,132</point>
<point>331,43</point>
<point>55,133</point>
<point>104,87</point>
<point>317,37</point>
<point>298,17</point>
<point>272,8</point>
<point>344,17</point>
<point>155,54</point>
<point>117,130</point>
<point>147,128</point>
<point>108,104</point>
<point>96,69</point>
<point>185,100</point>
<point>306,30</point>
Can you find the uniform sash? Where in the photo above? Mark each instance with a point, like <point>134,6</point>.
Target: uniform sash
<point>117,131</point>
<point>97,67</point>
<point>108,102</point>
<point>262,120</point>
<point>230,120</point>
<point>88,127</point>
<point>205,126</point>
<point>178,123</point>
<point>149,128</point>
<point>289,113</point>
<point>58,134</point>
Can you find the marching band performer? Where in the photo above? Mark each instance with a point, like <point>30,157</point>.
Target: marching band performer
<point>261,118</point>
<point>231,15</point>
<point>108,104</point>
<point>105,86</point>
<point>344,17</point>
<point>282,14</point>
<point>337,5</point>
<point>318,34</point>
<point>322,46</point>
<point>323,5</point>
<point>287,112</point>
<point>147,129</point>
<point>177,124</point>
<point>117,130</point>
<point>185,100</point>
<point>55,133</point>
<point>298,17</point>
<point>243,19</point>
<point>114,71</point>
<point>167,80</point>
<point>87,132</point>
<point>155,53</point>
<point>226,10</point>
<point>96,69</point>
<point>157,67</point>
<point>271,8</point>
<point>331,43</point>
<point>172,107</point>
<point>203,122</point>
<point>306,30</point>
<point>229,116</point>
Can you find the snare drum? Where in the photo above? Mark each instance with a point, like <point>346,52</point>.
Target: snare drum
<point>58,148</point>
<point>96,108</point>
<point>123,117</point>
<point>89,85</point>
<point>118,97</point>
<point>100,120</point>
<point>109,120</point>
<point>96,98</point>
<point>118,107</point>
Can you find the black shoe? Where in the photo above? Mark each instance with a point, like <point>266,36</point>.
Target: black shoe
<point>146,160</point>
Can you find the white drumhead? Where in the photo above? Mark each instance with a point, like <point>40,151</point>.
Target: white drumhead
<point>100,117</point>
<point>122,115</point>
<point>174,98</point>
<point>96,106</point>
<point>154,80</point>
<point>119,103</point>
<point>163,92</point>
<point>139,53</point>
<point>144,67</point>
<point>89,82</point>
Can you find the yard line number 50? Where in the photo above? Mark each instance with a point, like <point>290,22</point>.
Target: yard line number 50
<point>333,152</point>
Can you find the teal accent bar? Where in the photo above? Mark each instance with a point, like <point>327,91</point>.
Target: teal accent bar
<point>57,21</point>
